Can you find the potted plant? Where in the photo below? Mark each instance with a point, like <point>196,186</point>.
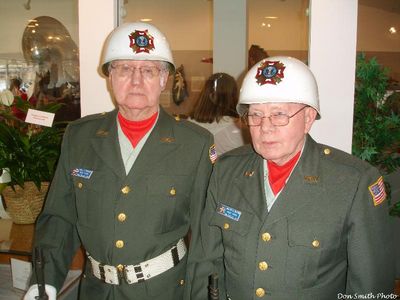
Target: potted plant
<point>376,130</point>
<point>29,152</point>
<point>376,126</point>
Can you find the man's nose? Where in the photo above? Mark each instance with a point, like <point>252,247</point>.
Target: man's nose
<point>266,125</point>
<point>136,76</point>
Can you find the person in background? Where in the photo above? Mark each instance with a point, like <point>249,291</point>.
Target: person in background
<point>22,91</point>
<point>287,217</point>
<point>215,110</point>
<point>129,186</point>
<point>256,53</point>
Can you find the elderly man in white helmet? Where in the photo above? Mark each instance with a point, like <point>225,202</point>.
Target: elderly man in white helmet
<point>289,218</point>
<point>129,186</point>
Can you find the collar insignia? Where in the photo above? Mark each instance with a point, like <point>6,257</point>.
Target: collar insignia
<point>167,140</point>
<point>102,132</point>
<point>311,179</point>
<point>249,173</point>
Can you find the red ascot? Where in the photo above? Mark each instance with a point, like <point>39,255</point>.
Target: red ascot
<point>136,130</point>
<point>277,175</point>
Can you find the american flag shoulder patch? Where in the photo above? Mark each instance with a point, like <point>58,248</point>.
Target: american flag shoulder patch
<point>377,191</point>
<point>212,153</point>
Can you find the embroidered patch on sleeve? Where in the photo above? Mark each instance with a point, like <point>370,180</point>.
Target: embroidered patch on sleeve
<point>212,153</point>
<point>377,191</point>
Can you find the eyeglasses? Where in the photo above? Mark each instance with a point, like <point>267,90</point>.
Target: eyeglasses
<point>278,119</point>
<point>127,71</point>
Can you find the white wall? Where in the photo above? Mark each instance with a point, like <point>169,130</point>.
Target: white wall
<point>96,20</point>
<point>332,55</point>
<point>230,37</point>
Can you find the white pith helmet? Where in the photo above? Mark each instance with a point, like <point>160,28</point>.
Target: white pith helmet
<point>279,79</point>
<point>136,41</point>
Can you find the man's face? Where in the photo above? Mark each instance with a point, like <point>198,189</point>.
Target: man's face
<point>280,143</point>
<point>137,92</point>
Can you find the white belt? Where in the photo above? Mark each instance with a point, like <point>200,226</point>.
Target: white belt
<point>142,271</point>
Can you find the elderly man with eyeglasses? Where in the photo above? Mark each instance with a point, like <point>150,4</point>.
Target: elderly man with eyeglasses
<point>286,217</point>
<point>129,186</point>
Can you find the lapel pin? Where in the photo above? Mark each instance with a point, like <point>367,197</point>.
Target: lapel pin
<point>167,140</point>
<point>101,132</point>
<point>249,173</point>
<point>311,179</point>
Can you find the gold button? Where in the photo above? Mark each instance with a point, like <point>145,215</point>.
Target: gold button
<point>327,151</point>
<point>266,237</point>
<point>125,190</point>
<point>172,192</point>
<point>263,266</point>
<point>226,226</point>
<point>181,282</point>
<point>121,217</point>
<point>119,244</point>
<point>315,243</point>
<point>260,292</point>
<point>80,185</point>
<point>120,267</point>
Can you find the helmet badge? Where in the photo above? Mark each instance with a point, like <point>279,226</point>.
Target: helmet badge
<point>141,41</point>
<point>270,72</point>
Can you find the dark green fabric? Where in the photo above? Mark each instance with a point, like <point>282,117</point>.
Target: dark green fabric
<point>327,200</point>
<point>176,155</point>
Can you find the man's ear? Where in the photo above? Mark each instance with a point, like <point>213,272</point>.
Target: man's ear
<point>163,80</point>
<point>309,117</point>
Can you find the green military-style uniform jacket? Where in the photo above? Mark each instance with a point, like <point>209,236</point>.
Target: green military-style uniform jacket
<point>161,198</point>
<point>323,236</point>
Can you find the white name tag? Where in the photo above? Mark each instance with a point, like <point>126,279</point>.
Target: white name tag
<point>39,117</point>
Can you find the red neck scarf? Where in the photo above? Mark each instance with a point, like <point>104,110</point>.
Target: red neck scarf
<point>277,175</point>
<point>136,130</point>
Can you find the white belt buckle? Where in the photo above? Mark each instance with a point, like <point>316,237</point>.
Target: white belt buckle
<point>111,274</point>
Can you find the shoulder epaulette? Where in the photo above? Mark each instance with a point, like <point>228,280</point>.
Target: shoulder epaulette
<point>89,118</point>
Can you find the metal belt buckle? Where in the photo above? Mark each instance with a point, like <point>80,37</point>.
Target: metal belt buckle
<point>122,273</point>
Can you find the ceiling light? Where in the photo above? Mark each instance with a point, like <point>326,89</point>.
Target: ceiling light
<point>392,30</point>
<point>146,20</point>
<point>270,17</point>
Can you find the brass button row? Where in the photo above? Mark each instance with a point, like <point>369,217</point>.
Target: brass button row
<point>126,189</point>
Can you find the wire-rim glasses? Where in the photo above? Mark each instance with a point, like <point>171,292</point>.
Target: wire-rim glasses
<point>126,71</point>
<point>279,119</point>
